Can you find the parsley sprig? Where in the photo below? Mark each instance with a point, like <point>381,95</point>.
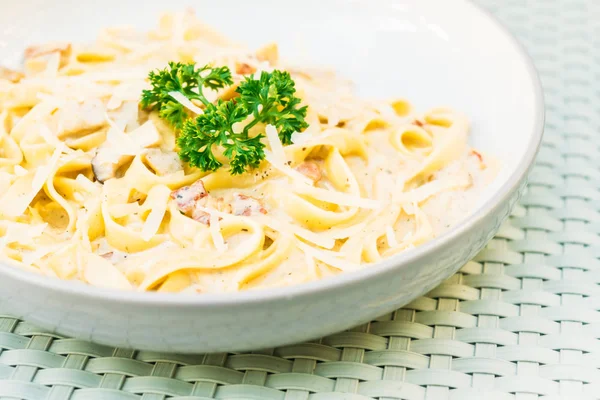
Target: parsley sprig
<point>270,99</point>
<point>185,79</point>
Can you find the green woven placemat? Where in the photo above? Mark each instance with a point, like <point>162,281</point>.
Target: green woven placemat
<point>520,322</point>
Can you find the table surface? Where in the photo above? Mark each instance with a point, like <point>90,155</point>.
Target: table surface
<point>519,322</point>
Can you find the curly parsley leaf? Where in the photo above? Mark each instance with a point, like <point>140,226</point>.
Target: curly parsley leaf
<point>215,127</point>
<point>185,79</point>
<point>272,100</point>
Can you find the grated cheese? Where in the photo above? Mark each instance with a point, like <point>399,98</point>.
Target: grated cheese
<point>123,210</point>
<point>329,257</point>
<point>88,185</point>
<point>215,233</point>
<point>335,197</point>
<point>286,170</point>
<point>430,189</point>
<point>308,235</point>
<point>20,171</point>
<point>184,101</point>
<point>100,272</point>
<point>299,138</point>
<point>15,204</point>
<point>52,65</point>
<point>391,237</point>
<point>311,265</point>
<point>24,234</point>
<point>41,252</point>
<point>159,197</point>
<point>6,180</point>
<point>343,233</point>
<point>275,144</point>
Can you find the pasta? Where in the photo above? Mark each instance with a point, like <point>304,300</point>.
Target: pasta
<point>92,188</point>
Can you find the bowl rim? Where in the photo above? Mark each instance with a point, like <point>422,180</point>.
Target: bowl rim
<point>80,289</point>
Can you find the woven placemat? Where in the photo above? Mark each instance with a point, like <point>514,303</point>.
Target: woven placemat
<point>520,322</point>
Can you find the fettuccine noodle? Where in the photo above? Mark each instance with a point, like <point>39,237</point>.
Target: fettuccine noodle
<point>92,189</point>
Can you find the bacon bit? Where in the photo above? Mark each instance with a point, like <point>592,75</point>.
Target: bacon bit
<point>64,49</point>
<point>418,123</point>
<point>10,75</point>
<point>311,170</point>
<point>201,216</point>
<point>246,205</point>
<point>244,69</point>
<point>480,157</point>
<point>194,199</point>
<point>187,196</point>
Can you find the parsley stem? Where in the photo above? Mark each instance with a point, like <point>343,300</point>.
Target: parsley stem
<point>201,96</point>
<point>251,125</point>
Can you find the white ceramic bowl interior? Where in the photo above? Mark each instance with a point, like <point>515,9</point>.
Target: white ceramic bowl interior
<point>432,52</point>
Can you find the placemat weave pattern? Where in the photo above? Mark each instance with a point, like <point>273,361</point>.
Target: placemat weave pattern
<point>520,322</point>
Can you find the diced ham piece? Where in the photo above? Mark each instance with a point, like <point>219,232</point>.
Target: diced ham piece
<point>311,170</point>
<point>201,216</point>
<point>209,201</point>
<point>75,118</point>
<point>246,205</point>
<point>108,158</point>
<point>194,200</point>
<point>187,196</point>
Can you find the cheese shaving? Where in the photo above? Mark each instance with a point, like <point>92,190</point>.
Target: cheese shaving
<point>329,258</point>
<point>275,144</point>
<point>184,101</point>
<point>158,197</point>
<point>215,232</point>
<point>17,199</point>
<point>286,170</point>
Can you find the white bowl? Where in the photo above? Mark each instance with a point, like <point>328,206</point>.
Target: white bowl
<point>432,52</point>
